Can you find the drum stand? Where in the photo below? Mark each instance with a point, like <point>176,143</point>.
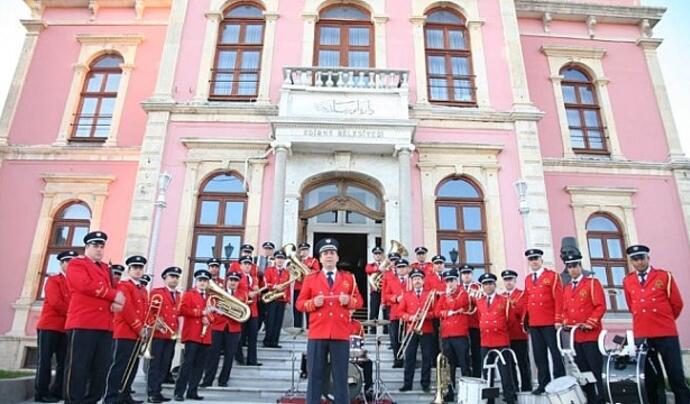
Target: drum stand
<point>294,390</point>
<point>380,390</point>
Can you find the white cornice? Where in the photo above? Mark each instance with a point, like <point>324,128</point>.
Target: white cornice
<point>77,178</point>
<point>573,51</point>
<point>608,166</point>
<point>208,143</point>
<point>69,153</point>
<point>100,3</point>
<point>127,39</point>
<point>580,190</point>
<point>604,13</point>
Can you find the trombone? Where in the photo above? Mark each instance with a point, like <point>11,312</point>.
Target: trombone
<point>416,324</point>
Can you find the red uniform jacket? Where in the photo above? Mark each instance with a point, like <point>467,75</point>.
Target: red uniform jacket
<point>219,322</point>
<point>518,301</point>
<point>92,292</point>
<point>427,267</point>
<point>235,266</point>
<point>244,285</point>
<point>584,305</point>
<point>55,304</point>
<point>313,265</point>
<point>356,328</point>
<point>387,277</point>
<point>371,268</point>
<point>544,299</point>
<point>272,278</point>
<point>434,281</point>
<point>129,322</point>
<point>395,288</point>
<point>192,309</point>
<point>330,321</point>
<point>472,319</point>
<point>232,325</point>
<point>170,311</point>
<point>455,325</point>
<point>411,304</point>
<point>654,306</point>
<point>494,320</point>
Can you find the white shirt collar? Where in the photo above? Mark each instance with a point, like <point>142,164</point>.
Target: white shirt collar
<point>174,290</point>
<point>578,279</point>
<point>539,272</point>
<point>646,271</point>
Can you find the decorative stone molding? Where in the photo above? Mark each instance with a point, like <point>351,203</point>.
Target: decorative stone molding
<point>205,157</point>
<point>581,11</point>
<point>615,201</point>
<point>93,46</point>
<point>474,22</point>
<point>68,153</point>
<point>591,23</point>
<point>607,166</point>
<point>591,59</point>
<point>59,189</point>
<point>681,174</point>
<point>546,21</point>
<point>438,161</point>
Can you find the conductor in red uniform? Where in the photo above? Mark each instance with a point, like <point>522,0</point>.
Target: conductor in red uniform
<point>51,338</point>
<point>328,296</point>
<point>543,315</point>
<point>130,325</point>
<point>518,336</point>
<point>196,336</point>
<point>89,322</point>
<point>655,302</point>
<point>164,337</point>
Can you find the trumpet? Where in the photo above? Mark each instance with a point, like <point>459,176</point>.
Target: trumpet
<point>416,324</point>
<point>474,290</point>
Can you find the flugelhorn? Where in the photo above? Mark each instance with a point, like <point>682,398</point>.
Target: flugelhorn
<point>226,304</point>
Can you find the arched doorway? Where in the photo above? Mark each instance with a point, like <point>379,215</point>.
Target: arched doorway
<point>349,209</point>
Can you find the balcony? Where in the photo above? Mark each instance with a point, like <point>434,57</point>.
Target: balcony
<point>330,108</point>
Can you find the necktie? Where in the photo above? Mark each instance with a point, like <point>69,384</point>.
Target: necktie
<point>249,279</point>
<point>419,294</point>
<point>330,279</point>
<point>489,301</point>
<point>643,275</point>
<point>534,277</point>
<point>203,295</point>
<point>172,295</point>
<point>574,284</point>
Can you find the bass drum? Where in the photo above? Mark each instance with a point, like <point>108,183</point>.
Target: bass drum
<point>624,378</point>
<point>355,380</point>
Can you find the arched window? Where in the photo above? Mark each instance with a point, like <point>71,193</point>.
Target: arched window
<point>220,218</point>
<point>450,78</point>
<point>583,112</point>
<point>235,75</point>
<point>344,38</point>
<point>460,223</point>
<point>70,225</point>
<point>95,113</point>
<point>342,201</point>
<point>606,247</point>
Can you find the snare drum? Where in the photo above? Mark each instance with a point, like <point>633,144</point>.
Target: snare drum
<point>356,346</point>
<point>565,390</point>
<point>470,390</point>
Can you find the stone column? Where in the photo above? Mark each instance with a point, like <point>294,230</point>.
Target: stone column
<point>278,212</point>
<point>207,56</point>
<point>403,153</point>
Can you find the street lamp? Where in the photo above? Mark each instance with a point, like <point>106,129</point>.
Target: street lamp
<point>163,183</point>
<point>228,249</point>
<point>521,189</point>
<point>453,256</point>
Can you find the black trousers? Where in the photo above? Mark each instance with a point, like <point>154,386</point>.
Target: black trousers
<point>669,350</point>
<point>367,370</point>
<point>437,346</point>
<point>227,342</point>
<point>297,320</point>
<point>426,341</point>
<point>386,316</point>
<point>521,349</point>
<point>507,372</point>
<point>318,353</point>
<point>475,352</point>
<point>263,314</point>
<point>589,359</point>
<point>89,353</point>
<point>374,305</point>
<point>274,322</point>
<point>544,341</point>
<point>457,350</point>
<point>394,331</point>
<point>50,343</point>
<point>192,366</point>
<point>162,351</point>
<point>119,387</point>
<point>249,334</point>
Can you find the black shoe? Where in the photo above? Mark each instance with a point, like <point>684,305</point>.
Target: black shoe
<point>405,388</point>
<point>46,399</point>
<point>277,346</point>
<point>222,384</point>
<point>426,389</point>
<point>155,399</point>
<point>131,400</point>
<point>254,364</point>
<point>240,362</point>
<point>397,364</point>
<point>302,375</point>
<point>205,384</point>
<point>266,345</point>
<point>194,397</point>
<point>164,398</point>
<point>178,397</point>
<point>538,391</point>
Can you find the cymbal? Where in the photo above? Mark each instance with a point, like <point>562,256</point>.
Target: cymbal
<point>375,323</point>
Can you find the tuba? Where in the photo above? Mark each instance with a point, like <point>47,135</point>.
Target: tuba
<point>297,270</point>
<point>375,280</point>
<point>227,304</point>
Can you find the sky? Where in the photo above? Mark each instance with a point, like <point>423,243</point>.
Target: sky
<point>674,54</point>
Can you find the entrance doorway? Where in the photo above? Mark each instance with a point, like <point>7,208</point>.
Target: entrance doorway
<point>353,258</point>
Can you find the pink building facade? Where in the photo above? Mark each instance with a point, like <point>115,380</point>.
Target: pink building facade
<point>475,128</point>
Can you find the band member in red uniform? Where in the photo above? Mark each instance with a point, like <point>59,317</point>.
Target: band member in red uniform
<point>389,273</point>
<point>584,304</point>
<point>494,318</point>
<point>396,286</point>
<point>218,324</point>
<point>411,310</point>
<point>655,302</point>
<point>434,280</point>
<point>165,335</point>
<point>196,336</point>
<point>116,271</point>
<point>544,314</point>
<point>250,285</point>
<point>454,327</point>
<point>51,338</point>
<point>264,261</point>
<point>313,265</point>
<point>375,294</point>
<point>229,339</point>
<point>276,279</point>
<point>518,336</point>
<point>129,326</point>
<point>466,273</point>
<point>328,296</point>
<point>89,322</point>
<point>363,362</point>
<point>246,251</point>
<point>422,263</point>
